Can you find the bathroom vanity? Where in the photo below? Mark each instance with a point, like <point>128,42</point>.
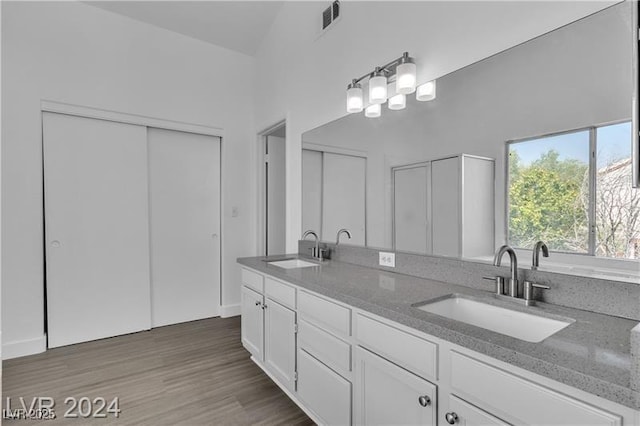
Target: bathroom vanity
<point>351,345</point>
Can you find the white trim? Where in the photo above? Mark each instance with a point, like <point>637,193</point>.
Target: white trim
<point>227,311</point>
<point>334,150</point>
<point>143,120</point>
<point>24,347</point>
<point>271,129</point>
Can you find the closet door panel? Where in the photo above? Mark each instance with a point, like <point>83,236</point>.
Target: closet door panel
<point>184,194</point>
<point>410,219</point>
<point>446,220</point>
<point>311,191</point>
<point>96,228</point>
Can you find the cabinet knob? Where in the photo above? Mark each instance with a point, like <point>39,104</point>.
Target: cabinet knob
<point>257,303</point>
<point>424,400</point>
<point>264,306</point>
<point>451,418</point>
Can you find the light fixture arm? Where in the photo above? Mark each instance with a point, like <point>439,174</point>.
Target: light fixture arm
<point>388,69</point>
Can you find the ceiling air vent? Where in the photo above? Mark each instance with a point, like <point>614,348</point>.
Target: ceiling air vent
<point>330,14</point>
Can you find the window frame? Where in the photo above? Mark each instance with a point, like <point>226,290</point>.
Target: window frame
<point>593,172</point>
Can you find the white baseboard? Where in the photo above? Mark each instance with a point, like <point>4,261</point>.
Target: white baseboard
<point>227,311</point>
<point>24,347</point>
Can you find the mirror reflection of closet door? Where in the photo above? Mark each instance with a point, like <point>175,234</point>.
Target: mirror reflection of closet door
<point>312,190</point>
<point>343,197</point>
<point>410,213</point>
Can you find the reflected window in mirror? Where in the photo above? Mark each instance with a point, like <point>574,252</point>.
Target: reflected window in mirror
<point>573,190</point>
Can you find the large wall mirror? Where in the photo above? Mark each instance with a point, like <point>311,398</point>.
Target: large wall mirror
<point>532,143</point>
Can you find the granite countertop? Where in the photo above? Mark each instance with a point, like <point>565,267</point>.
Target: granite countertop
<point>593,353</point>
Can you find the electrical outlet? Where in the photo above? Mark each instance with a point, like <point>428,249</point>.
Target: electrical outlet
<point>387,259</point>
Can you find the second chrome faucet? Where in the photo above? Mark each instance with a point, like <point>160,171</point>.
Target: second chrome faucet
<point>513,289</point>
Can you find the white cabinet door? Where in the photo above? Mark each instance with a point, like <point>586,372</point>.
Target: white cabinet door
<point>323,391</point>
<point>184,196</point>
<point>252,322</point>
<point>465,414</point>
<point>389,395</point>
<point>280,342</point>
<point>97,228</point>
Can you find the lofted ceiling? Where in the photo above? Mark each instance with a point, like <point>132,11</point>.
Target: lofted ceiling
<point>235,25</point>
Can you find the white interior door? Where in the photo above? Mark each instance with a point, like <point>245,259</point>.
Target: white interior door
<point>97,231</point>
<point>276,195</point>
<point>410,221</point>
<point>343,196</point>
<point>184,194</point>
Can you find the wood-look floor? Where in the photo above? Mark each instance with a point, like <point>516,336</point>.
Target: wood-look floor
<point>195,373</point>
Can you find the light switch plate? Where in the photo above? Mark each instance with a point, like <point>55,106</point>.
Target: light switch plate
<point>387,259</point>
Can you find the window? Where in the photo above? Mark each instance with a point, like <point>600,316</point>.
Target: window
<point>573,191</point>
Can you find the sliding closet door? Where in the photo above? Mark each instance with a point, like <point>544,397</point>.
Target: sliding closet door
<point>97,232</point>
<point>343,196</point>
<point>184,194</point>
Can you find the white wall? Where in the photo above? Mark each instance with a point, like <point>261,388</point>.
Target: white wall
<point>303,78</point>
<point>72,52</point>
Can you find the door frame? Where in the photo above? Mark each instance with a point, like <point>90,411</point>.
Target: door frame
<point>261,185</point>
<point>159,123</point>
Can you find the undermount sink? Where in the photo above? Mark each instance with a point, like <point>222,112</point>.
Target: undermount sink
<point>521,325</point>
<point>292,263</point>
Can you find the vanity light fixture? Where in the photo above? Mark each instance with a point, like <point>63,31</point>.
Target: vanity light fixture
<point>427,91</point>
<point>406,75</point>
<point>373,111</point>
<point>402,71</point>
<point>378,87</point>
<point>397,102</point>
<point>355,101</point>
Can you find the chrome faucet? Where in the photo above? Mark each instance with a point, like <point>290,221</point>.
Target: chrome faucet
<point>342,231</point>
<point>540,245</point>
<point>315,250</point>
<point>513,280</point>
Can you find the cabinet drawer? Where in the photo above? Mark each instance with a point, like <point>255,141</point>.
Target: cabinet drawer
<point>470,415</point>
<point>252,279</point>
<point>518,400</point>
<point>280,292</point>
<point>323,391</point>
<point>324,346</point>
<point>409,351</point>
<point>325,314</point>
